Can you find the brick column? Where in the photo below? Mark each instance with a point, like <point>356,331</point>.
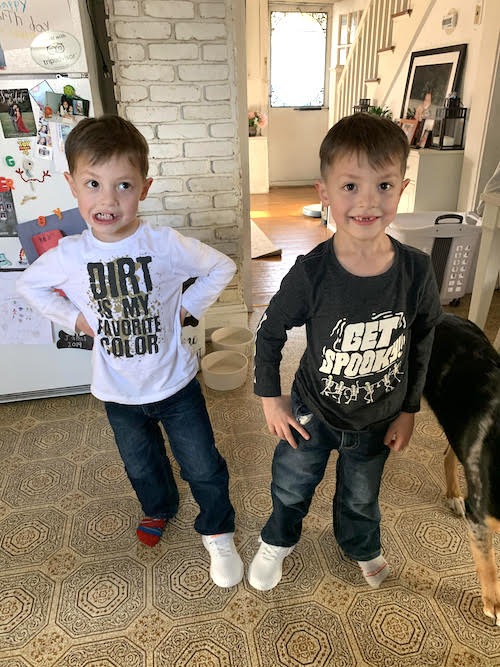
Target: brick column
<point>174,74</point>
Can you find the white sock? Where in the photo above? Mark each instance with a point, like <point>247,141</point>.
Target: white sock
<point>374,570</point>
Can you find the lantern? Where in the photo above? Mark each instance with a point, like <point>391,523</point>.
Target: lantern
<point>449,125</point>
<point>363,105</point>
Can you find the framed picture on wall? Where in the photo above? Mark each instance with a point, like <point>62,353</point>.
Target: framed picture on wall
<point>432,75</point>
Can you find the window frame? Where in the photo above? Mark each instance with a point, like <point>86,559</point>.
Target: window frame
<point>279,7</point>
<point>347,46</point>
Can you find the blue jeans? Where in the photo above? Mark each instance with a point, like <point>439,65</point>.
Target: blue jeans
<point>297,472</point>
<point>140,442</point>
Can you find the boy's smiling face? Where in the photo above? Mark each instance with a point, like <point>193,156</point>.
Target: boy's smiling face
<point>108,195</point>
<point>363,201</point>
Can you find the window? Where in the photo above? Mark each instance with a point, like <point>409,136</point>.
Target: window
<point>348,24</point>
<point>298,58</point>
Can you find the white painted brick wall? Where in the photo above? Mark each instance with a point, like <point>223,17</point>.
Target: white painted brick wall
<point>214,52</point>
<point>142,30</point>
<point>225,166</point>
<point>174,75</point>
<point>150,72</point>
<point>188,168</point>
<point>126,8</point>
<point>209,149</point>
<point>170,9</point>
<point>215,93</point>
<point>209,10</point>
<point>200,31</point>
<point>175,93</point>
<point>174,51</point>
<point>177,131</point>
<point>203,72</point>
<point>210,183</point>
<point>208,112</point>
<point>212,218</point>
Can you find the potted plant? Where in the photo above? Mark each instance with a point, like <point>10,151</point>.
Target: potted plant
<point>256,121</point>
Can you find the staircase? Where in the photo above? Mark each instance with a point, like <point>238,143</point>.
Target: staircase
<point>383,42</point>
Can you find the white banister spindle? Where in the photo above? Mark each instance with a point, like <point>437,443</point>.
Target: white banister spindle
<point>374,33</point>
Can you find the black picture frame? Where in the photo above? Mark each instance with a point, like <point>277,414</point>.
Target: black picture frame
<point>432,75</point>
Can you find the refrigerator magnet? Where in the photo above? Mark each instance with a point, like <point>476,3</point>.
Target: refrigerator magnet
<point>55,50</point>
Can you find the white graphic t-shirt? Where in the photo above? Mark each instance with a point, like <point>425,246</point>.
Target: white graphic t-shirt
<point>130,292</point>
<point>368,338</point>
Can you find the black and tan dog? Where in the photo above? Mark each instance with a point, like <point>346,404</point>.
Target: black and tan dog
<point>463,390</point>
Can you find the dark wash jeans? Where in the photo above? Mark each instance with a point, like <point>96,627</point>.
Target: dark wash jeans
<point>297,472</point>
<point>140,442</point>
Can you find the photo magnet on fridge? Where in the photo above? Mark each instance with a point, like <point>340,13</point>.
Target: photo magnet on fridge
<point>38,93</point>
<point>8,218</point>
<point>38,235</point>
<point>16,114</point>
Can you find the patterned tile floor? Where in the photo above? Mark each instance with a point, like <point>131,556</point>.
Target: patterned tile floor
<point>77,589</point>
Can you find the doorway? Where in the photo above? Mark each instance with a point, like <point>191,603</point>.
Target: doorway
<point>299,47</point>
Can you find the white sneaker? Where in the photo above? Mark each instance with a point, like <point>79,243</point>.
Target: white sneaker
<point>226,566</point>
<point>266,569</point>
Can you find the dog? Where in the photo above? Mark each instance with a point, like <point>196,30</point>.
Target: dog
<point>463,390</point>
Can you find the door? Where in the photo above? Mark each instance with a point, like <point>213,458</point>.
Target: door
<point>298,112</point>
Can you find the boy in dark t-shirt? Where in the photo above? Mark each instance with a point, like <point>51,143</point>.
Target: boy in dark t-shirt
<point>370,305</point>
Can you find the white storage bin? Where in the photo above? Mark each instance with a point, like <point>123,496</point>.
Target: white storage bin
<point>452,243</point>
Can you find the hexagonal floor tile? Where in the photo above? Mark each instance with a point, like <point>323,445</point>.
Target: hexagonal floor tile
<point>104,475</point>
<point>8,441</point>
<point>347,570</point>
<point>303,634</point>
<point>93,593</point>
<point>52,439</point>
<point>302,570</point>
<point>182,587</point>
<point>229,413</point>
<point>39,483</point>
<point>30,538</point>
<point>61,407</point>
<point>15,412</point>
<point>105,525</point>
<point>400,629</point>
<point>108,653</point>
<point>435,538</point>
<point>217,643</point>
<point>252,501</point>
<point>100,434</point>
<point>429,432</point>
<point>24,607</point>
<point>459,597</point>
<point>406,483</point>
<point>247,452</point>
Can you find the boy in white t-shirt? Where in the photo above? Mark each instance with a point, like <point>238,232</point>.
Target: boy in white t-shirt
<point>123,281</point>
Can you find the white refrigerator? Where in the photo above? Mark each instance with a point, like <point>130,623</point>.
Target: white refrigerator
<point>37,358</point>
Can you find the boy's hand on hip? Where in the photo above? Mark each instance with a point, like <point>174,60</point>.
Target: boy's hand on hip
<point>399,432</point>
<point>279,418</point>
<point>82,326</point>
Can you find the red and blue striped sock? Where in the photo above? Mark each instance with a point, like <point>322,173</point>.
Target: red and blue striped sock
<point>150,530</point>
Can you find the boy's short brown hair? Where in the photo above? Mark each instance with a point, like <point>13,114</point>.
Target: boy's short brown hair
<point>99,139</point>
<point>380,139</point>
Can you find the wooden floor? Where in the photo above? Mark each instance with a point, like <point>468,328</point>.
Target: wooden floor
<point>279,215</point>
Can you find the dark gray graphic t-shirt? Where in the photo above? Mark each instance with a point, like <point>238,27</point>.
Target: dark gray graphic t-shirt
<point>368,338</point>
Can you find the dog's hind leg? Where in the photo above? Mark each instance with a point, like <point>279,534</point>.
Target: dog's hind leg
<point>484,559</point>
<point>453,496</point>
